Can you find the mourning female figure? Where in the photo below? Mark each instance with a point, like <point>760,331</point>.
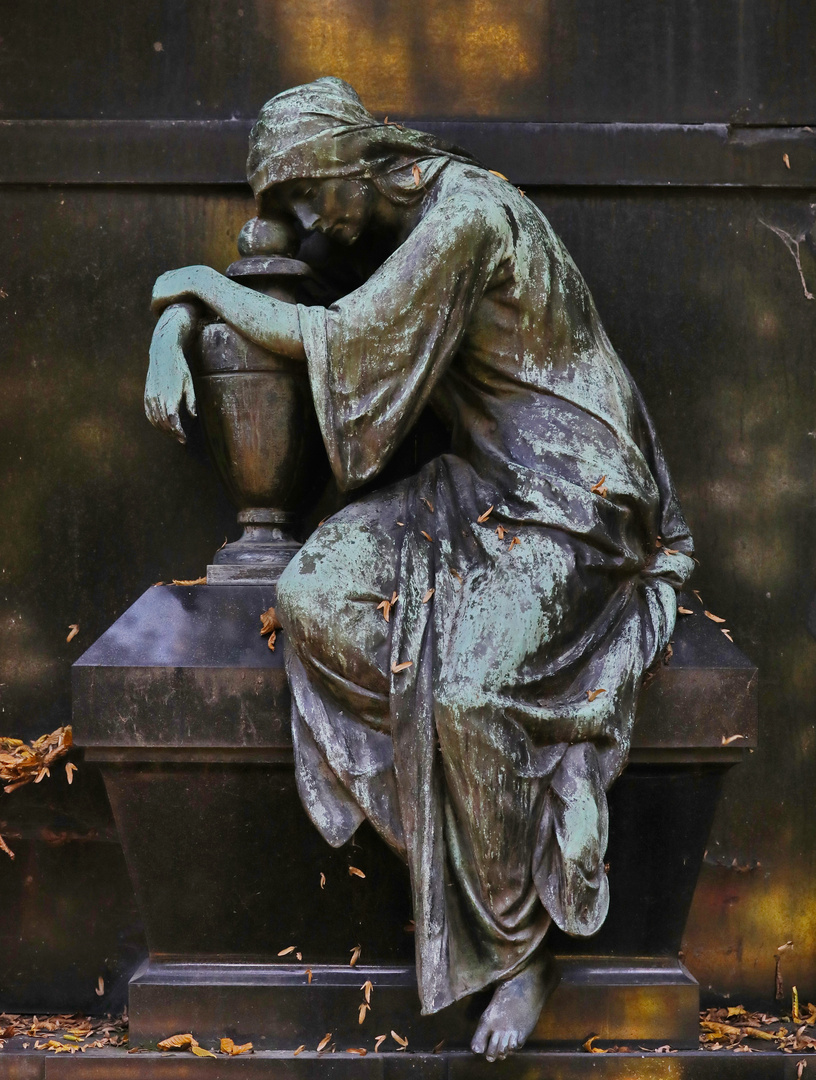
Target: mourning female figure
<point>478,721</point>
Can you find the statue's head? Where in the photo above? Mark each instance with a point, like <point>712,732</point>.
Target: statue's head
<point>319,155</point>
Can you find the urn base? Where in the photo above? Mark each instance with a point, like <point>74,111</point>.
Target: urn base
<point>261,554</point>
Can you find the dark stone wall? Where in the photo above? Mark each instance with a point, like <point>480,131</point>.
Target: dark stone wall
<point>698,288</point>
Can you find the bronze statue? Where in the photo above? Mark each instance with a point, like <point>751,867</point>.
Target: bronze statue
<point>464,648</point>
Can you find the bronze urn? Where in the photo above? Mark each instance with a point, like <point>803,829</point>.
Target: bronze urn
<point>258,417</point>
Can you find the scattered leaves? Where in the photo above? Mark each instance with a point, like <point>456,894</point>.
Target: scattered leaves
<point>73,630</point>
<point>300,1049</point>
<point>355,872</point>
<point>287,951</point>
<point>199,1051</point>
<point>324,1042</point>
<point>592,694</point>
<point>727,634</point>
<point>385,605</point>
<point>399,1039</point>
<point>357,1050</point>
<point>500,532</point>
<point>70,769</point>
<point>379,1041</point>
<point>190,581</point>
<point>731,738</point>
<point>367,987</point>
<point>364,1008</point>
<point>396,668</point>
<point>355,955</point>
<point>428,595</point>
<point>714,618</point>
<point>483,517</point>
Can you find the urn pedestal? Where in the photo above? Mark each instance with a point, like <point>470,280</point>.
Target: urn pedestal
<point>186,710</point>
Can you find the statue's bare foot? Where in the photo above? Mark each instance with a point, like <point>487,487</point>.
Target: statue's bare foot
<point>514,1010</point>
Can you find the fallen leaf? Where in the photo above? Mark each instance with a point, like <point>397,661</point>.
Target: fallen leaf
<point>513,543</point>
<point>428,595</point>
<point>73,630</point>
<point>410,927</point>
<point>355,872</point>
<point>593,1049</point>
<point>428,503</point>
<point>727,634</point>
<point>298,955</point>
<point>322,880</point>
<point>355,955</point>
<point>417,175</point>
<point>385,606</point>
<point>730,739</point>
<point>501,176</point>
<point>367,987</point>
<point>786,159</point>
<point>199,1051</point>
<point>70,769</point>
<point>438,1046</point>
<point>379,1041</point>
<point>457,575</point>
<point>99,989</point>
<point>285,952</point>
<point>427,536</point>
<point>244,1048</point>
<point>597,487</point>
<point>176,1042</point>
<point>401,667</point>
<point>500,531</point>
<point>190,581</point>
<point>324,1042</point>
<point>270,621</point>
<point>5,848</point>
<point>357,1050</point>
<point>364,1008</point>
<point>309,976</point>
<point>592,694</point>
<point>483,517</point>
<point>697,594</point>
<point>41,775</point>
<point>670,551</point>
<point>399,1039</point>
<point>226,1046</point>
<point>684,611</point>
<point>300,1049</point>
<point>270,641</point>
<point>714,618</point>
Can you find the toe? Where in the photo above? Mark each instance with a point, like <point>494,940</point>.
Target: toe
<point>504,1043</point>
<point>513,1044</point>
<point>493,1046</point>
<point>479,1042</point>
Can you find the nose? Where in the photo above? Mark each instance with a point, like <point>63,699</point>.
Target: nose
<point>306,215</point>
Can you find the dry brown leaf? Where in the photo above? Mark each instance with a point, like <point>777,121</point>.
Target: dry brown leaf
<point>410,927</point>
<point>592,694</point>
<point>199,1051</point>
<point>357,1050</point>
<point>190,581</point>
<point>730,739</point>
<point>438,1046</point>
<point>428,503</point>
<point>684,611</point>
<point>270,641</point>
<point>355,872</point>
<point>427,536</point>
<point>379,1041</point>
<point>727,634</point>
<point>786,159</point>
<point>401,667</point>
<point>309,976</point>
<point>501,176</point>
<point>226,1046</point>
<point>244,1048</point>
<point>324,1042</point>
<point>367,987</point>
<point>99,989</point>
<point>513,543</point>
<point>598,485</point>
<point>416,172</point>
<point>500,531</point>
<point>300,1049</point>
<point>269,621</point>
<point>399,1039</point>
<point>70,769</point>
<point>457,575</point>
<point>670,551</point>
<point>593,1049</point>
<point>364,1008</point>
<point>298,955</point>
<point>41,775</point>
<point>483,517</point>
<point>5,848</point>
<point>355,955</point>
<point>285,952</point>
<point>73,630</point>
<point>385,606</point>
<point>176,1042</point>
<point>714,618</point>
<point>428,595</point>
<point>322,880</point>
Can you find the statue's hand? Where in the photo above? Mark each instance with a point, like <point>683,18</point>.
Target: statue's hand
<point>169,381</point>
<point>189,282</point>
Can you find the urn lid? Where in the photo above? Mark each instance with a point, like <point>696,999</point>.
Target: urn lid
<point>269,266</point>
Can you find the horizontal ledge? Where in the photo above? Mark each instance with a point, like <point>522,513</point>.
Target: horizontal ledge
<point>533,154</point>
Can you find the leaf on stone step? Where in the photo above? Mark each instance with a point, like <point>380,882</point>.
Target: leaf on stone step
<point>361,1012</point>
<point>379,1041</point>
<point>190,581</point>
<point>357,1050</point>
<point>324,1042</point>
<point>199,1051</point>
<point>176,1042</point>
<point>355,955</point>
<point>300,1049</point>
<point>367,987</point>
<point>269,621</point>
<point>588,1046</point>
<point>399,1039</point>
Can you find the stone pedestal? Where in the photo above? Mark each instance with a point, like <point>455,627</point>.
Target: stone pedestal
<point>187,712</point>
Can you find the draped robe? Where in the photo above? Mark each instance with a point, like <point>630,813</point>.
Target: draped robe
<point>480,726</point>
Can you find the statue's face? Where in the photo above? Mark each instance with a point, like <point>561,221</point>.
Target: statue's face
<point>339,208</point>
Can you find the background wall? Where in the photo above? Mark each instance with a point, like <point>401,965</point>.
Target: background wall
<point>656,139</point>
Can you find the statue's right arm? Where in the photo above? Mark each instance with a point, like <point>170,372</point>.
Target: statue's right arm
<point>169,381</point>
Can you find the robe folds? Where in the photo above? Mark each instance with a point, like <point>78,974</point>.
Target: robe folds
<point>480,726</point>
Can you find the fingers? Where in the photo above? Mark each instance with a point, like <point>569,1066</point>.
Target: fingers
<point>189,397</point>
<point>176,428</point>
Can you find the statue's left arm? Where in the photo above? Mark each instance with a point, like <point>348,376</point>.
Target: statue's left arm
<point>268,322</point>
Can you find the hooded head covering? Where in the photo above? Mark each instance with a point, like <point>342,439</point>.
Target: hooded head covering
<point>322,130</point>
